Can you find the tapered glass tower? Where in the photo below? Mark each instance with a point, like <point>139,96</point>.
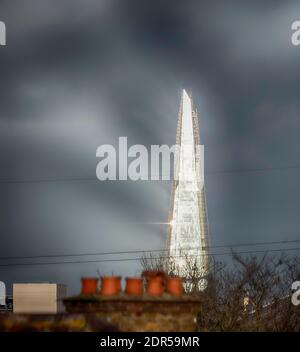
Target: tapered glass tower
<point>188,225</point>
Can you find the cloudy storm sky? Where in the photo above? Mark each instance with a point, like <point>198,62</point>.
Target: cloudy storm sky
<point>76,74</point>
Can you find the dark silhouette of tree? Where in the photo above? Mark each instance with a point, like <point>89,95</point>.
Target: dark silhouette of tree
<point>248,294</point>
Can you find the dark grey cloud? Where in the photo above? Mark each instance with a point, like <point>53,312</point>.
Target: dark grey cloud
<point>77,74</point>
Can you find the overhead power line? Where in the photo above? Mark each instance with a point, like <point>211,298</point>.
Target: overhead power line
<point>78,179</point>
<point>146,250</point>
<point>147,258</point>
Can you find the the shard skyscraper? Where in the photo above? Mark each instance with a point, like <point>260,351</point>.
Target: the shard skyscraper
<point>188,225</point>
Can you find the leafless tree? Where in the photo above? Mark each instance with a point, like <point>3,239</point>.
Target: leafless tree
<point>248,294</point>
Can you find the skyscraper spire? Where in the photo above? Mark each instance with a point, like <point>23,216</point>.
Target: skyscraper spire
<point>188,226</point>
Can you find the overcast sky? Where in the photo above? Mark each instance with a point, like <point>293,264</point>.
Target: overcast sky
<point>76,74</point>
